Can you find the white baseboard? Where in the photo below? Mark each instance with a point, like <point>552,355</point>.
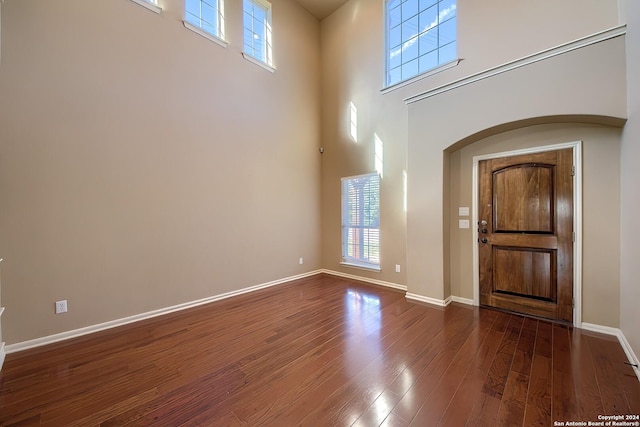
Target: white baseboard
<point>607,330</point>
<point>38,342</point>
<point>461,300</point>
<point>50,339</point>
<point>365,279</point>
<point>415,297</point>
<point>633,359</point>
<point>2,354</point>
<point>440,302</point>
<point>429,300</point>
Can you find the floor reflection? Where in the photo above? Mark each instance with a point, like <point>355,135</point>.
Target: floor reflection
<point>364,320</point>
<point>363,313</point>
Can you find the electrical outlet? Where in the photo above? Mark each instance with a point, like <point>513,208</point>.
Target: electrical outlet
<point>301,261</point>
<point>61,306</point>
<point>397,268</point>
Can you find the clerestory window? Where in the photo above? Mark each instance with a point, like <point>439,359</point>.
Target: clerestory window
<point>257,31</point>
<point>420,36</point>
<point>205,17</point>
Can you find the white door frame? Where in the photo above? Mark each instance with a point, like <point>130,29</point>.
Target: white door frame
<point>577,220</point>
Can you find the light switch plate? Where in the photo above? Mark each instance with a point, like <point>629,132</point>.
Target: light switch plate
<point>463,223</point>
<point>463,211</point>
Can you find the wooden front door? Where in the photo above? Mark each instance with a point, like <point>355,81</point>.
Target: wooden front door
<point>525,233</point>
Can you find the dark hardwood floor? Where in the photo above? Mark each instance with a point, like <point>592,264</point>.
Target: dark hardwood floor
<point>322,351</point>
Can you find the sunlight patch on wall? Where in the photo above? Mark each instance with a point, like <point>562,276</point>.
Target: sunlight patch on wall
<point>378,154</point>
<point>353,120</point>
<point>404,191</point>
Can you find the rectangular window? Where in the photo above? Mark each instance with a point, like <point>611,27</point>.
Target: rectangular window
<point>421,35</point>
<point>361,221</point>
<point>257,30</point>
<point>206,15</point>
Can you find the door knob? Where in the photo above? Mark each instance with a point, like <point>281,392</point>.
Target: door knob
<point>483,223</point>
<point>483,231</point>
<point>484,240</point>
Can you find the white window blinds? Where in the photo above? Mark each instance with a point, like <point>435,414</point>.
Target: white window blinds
<point>361,220</point>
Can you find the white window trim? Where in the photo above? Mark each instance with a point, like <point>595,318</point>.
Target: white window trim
<point>369,267</point>
<point>207,35</point>
<point>353,263</point>
<point>419,77</point>
<point>266,65</point>
<point>389,88</point>
<point>149,5</point>
<point>258,62</point>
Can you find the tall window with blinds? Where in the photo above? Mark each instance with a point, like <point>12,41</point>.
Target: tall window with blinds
<point>361,221</point>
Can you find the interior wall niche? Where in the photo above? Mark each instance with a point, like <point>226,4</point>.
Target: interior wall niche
<point>601,207</point>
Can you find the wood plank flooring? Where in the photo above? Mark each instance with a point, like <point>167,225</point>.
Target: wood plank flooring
<point>322,351</point>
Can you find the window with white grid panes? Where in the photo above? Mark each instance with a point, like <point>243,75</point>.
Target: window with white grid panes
<point>206,15</point>
<point>421,35</point>
<point>257,30</point>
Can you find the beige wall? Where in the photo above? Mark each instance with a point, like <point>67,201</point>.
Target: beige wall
<point>534,92</point>
<point>630,177</point>
<point>352,72</point>
<point>143,166</point>
<point>584,85</point>
<point>600,209</point>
